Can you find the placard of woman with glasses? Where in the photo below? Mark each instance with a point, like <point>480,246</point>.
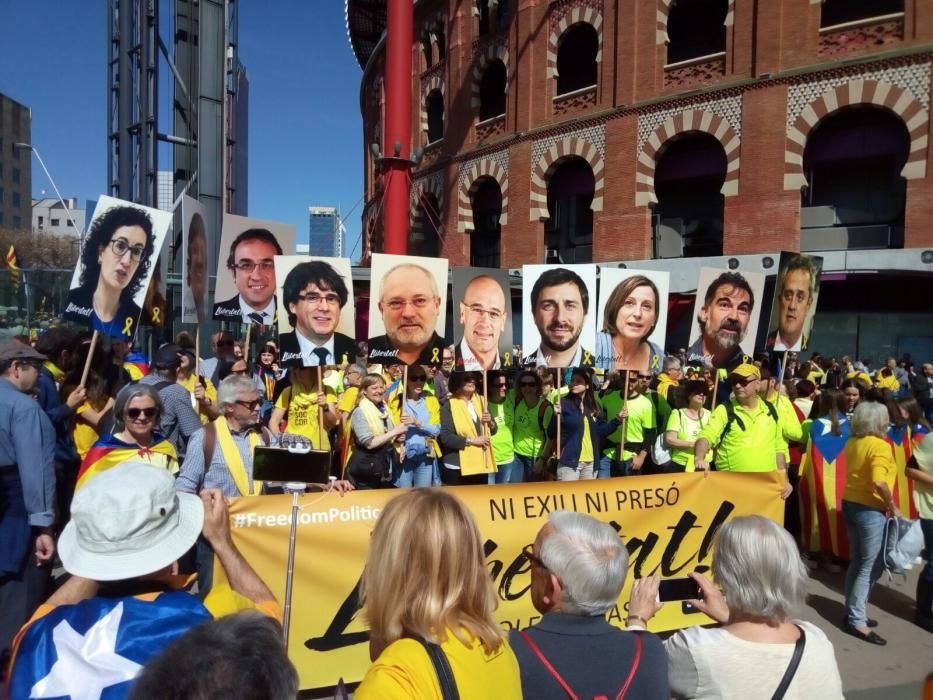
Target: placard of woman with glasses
<point>115,269</point>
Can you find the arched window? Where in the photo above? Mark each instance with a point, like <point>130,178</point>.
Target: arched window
<point>427,50</point>
<point>841,11</point>
<point>486,239</point>
<point>568,233</point>
<point>435,110</point>
<point>689,213</point>
<point>492,91</point>
<point>576,58</point>
<point>441,40</point>
<point>696,28</point>
<point>855,194</point>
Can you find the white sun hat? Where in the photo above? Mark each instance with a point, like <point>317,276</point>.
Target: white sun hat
<point>129,521</point>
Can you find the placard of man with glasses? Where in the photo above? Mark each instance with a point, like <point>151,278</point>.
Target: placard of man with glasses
<point>314,295</point>
<point>408,305</point>
<point>252,264</point>
<point>485,336</point>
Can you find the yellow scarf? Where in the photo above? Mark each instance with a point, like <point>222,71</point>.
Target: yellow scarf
<point>473,459</point>
<point>57,374</point>
<point>374,419</point>
<point>232,457</point>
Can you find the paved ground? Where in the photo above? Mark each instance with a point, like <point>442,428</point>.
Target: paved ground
<point>893,672</point>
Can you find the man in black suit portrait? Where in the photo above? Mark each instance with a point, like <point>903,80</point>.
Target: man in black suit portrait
<point>252,262</point>
<point>314,295</point>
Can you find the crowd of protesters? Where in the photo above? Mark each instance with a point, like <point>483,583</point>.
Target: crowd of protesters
<point>182,427</point>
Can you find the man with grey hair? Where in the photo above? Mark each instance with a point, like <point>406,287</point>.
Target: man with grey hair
<point>796,291</point>
<point>409,302</point>
<point>671,372</point>
<point>578,568</point>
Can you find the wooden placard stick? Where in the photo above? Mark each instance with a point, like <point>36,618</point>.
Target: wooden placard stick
<point>90,357</point>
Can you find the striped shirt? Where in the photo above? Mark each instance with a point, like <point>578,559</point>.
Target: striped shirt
<point>192,478</point>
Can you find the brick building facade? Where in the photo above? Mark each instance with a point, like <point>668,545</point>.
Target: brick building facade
<point>618,86</point>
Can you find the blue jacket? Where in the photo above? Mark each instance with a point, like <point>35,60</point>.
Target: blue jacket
<point>59,413</point>
<point>571,432</point>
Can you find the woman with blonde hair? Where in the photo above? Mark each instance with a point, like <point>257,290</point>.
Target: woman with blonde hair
<point>424,590</point>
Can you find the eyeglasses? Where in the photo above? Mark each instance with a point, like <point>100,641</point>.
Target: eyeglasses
<point>477,312</point>
<point>135,413</point>
<point>251,405</point>
<point>644,377</point>
<point>418,379</point>
<point>315,298</point>
<point>399,304</point>
<point>501,385</point>
<point>120,246</point>
<point>250,265</point>
<point>448,358</point>
<point>738,381</point>
<point>35,364</point>
<point>529,554</point>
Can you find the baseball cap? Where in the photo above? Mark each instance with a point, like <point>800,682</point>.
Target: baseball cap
<point>12,349</point>
<point>167,357</point>
<point>746,370</point>
<point>129,521</point>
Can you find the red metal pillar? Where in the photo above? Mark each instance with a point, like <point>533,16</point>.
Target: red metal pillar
<point>397,164</point>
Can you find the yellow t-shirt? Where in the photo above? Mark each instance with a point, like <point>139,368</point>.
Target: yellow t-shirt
<point>209,390</point>
<point>348,399</point>
<point>869,459</point>
<point>754,449</point>
<point>84,435</point>
<point>404,670</point>
<point>302,413</point>
<point>586,447</point>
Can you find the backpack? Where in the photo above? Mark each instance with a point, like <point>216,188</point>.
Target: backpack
<point>731,418</point>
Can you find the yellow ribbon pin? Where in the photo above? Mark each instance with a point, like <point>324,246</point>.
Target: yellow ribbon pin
<point>435,354</point>
<point>507,360</point>
<point>156,315</point>
<point>587,359</point>
<point>654,362</point>
<point>128,327</point>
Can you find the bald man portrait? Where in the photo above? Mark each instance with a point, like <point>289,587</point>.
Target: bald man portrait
<point>409,303</point>
<point>483,315</point>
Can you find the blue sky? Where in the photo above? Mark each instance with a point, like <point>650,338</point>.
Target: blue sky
<point>305,136</point>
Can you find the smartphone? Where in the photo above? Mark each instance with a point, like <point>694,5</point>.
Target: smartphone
<point>678,589</point>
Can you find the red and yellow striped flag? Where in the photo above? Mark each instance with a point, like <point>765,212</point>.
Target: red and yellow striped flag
<point>822,482</point>
<point>110,451</point>
<point>14,270</point>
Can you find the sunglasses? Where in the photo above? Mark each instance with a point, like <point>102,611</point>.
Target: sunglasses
<point>743,382</point>
<point>644,377</point>
<point>529,554</point>
<point>418,379</point>
<point>135,413</point>
<point>501,385</point>
<point>251,405</point>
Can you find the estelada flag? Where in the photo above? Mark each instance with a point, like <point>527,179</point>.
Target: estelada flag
<point>14,270</point>
<point>899,437</point>
<point>95,648</point>
<point>822,482</point>
<point>110,451</point>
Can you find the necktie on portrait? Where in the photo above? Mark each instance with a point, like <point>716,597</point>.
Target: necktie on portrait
<point>321,354</point>
<point>256,317</point>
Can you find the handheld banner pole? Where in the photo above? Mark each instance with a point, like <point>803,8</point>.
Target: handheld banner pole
<point>290,570</point>
<point>624,420</point>
<point>249,329</point>
<point>558,417</point>
<point>320,409</point>
<point>404,410</point>
<point>783,370</point>
<point>715,389</point>
<point>90,357</point>
<point>197,353</point>
<point>487,451</point>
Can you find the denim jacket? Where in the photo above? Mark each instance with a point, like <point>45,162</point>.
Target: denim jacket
<point>571,432</point>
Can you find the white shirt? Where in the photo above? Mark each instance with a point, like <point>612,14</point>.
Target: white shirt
<point>781,344</point>
<point>307,348</point>
<point>470,363</point>
<point>267,313</point>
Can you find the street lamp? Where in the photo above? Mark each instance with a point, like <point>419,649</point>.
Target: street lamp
<point>30,147</point>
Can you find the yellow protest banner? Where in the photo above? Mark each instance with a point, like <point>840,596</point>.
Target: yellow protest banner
<point>667,523</point>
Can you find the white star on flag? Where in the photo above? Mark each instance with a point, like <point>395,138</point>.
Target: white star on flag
<point>87,663</point>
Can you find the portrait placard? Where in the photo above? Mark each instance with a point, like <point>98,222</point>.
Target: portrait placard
<point>246,268</point>
<point>482,318</point>
<point>118,259</point>
<point>631,318</point>
<point>794,306</point>
<point>408,295</point>
<point>559,315</point>
<point>316,311</point>
<point>194,273</point>
<point>726,315</point>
